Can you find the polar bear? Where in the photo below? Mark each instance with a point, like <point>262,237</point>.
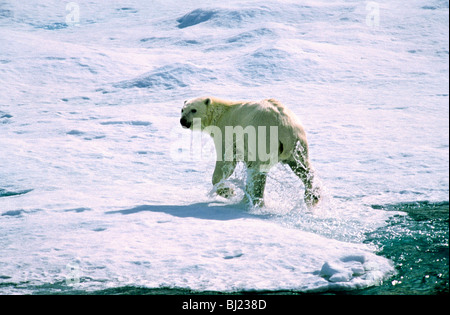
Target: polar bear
<point>260,134</point>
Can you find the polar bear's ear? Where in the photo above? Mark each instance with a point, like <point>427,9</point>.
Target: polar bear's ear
<point>207,101</point>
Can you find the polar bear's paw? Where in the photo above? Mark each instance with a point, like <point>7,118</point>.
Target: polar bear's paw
<point>226,192</point>
<point>312,197</point>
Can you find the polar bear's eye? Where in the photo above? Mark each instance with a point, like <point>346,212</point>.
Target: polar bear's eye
<point>194,111</point>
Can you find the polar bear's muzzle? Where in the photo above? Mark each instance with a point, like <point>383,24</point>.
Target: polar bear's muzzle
<point>185,123</point>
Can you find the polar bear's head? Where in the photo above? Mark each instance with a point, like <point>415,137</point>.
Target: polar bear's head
<point>195,108</point>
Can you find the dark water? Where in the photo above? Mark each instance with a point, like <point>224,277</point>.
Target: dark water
<point>417,243</point>
<point>418,246</point>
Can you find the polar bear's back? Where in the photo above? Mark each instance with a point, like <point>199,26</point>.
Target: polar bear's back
<point>290,130</point>
<point>268,112</point>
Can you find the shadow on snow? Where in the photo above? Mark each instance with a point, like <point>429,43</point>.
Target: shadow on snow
<point>206,211</point>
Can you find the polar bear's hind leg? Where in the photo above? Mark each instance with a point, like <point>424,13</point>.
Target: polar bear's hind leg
<point>301,167</point>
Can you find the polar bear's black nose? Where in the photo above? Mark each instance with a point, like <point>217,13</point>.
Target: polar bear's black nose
<point>184,122</point>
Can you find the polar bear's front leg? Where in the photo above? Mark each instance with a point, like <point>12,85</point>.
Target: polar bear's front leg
<point>223,171</point>
<point>256,182</point>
